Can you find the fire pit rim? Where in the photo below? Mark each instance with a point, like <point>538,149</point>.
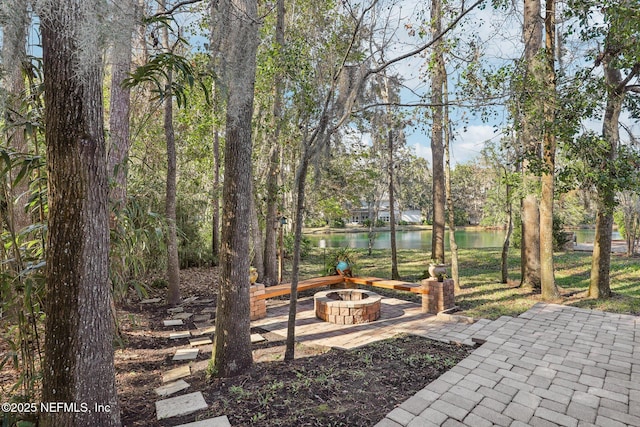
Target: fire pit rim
<point>371,298</point>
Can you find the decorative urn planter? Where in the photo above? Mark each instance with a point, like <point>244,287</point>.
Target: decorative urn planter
<point>438,271</point>
<point>253,275</point>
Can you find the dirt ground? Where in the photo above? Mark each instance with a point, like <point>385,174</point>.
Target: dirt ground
<point>322,387</point>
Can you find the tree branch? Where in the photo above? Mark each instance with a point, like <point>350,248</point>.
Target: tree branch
<point>174,8</point>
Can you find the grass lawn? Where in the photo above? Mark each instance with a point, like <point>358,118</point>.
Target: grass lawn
<point>483,295</point>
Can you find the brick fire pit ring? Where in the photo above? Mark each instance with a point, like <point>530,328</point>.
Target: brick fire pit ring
<point>347,306</point>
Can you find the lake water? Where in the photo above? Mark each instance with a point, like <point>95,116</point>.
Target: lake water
<point>421,239</point>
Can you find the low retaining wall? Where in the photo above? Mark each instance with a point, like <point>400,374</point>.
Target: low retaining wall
<point>436,297</point>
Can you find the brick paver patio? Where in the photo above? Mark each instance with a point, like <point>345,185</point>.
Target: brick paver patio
<point>553,365</point>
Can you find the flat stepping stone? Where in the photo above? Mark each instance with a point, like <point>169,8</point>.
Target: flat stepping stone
<point>206,301</point>
<point>204,329</point>
<point>179,335</point>
<point>208,309</point>
<point>182,316</point>
<point>173,322</point>
<point>221,421</point>
<point>171,388</point>
<point>202,318</point>
<point>186,354</point>
<point>200,341</point>
<point>257,338</point>
<point>151,301</point>
<point>176,374</point>
<point>175,310</point>
<point>189,300</point>
<point>180,405</point>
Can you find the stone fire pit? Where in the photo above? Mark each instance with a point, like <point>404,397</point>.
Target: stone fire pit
<point>347,306</point>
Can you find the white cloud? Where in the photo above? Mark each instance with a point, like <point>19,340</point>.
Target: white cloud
<point>466,145</point>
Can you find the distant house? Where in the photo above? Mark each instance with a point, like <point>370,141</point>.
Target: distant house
<point>360,214</point>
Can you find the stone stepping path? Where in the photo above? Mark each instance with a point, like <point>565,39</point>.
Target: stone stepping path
<point>180,405</point>
<point>200,341</point>
<point>203,329</point>
<point>151,301</point>
<point>176,374</point>
<point>173,322</point>
<point>221,421</point>
<point>171,388</point>
<point>188,300</point>
<point>202,317</point>
<point>179,335</point>
<point>256,338</point>
<point>182,316</point>
<point>186,354</point>
<point>174,310</point>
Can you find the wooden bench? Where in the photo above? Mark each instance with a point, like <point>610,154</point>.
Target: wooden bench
<point>436,296</point>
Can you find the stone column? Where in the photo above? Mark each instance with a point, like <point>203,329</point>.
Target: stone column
<point>258,306</point>
<point>440,295</point>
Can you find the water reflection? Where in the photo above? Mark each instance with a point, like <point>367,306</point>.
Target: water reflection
<point>421,239</point>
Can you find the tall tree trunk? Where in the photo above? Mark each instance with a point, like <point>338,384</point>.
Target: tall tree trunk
<point>437,145</point>
<point>392,210</point>
<point>530,134</point>
<point>453,245</point>
<point>79,330</point>
<point>119,106</point>
<point>599,285</point>
<point>173,261</point>
<point>232,344</point>
<point>547,279</point>
<point>272,219</point>
<point>14,54</point>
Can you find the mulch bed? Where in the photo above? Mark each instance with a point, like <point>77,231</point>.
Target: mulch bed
<point>321,387</point>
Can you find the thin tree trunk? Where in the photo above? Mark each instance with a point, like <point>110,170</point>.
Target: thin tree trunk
<point>173,262</point>
<point>13,55</point>
<point>272,220</point>
<point>437,145</point>
<point>599,286</point>
<point>78,327</point>
<point>301,175</point>
<point>392,214</point>
<point>256,238</point>
<point>119,106</point>
<point>547,279</point>
<point>453,245</point>
<point>215,233</point>
<point>239,42</point>
<point>504,264</point>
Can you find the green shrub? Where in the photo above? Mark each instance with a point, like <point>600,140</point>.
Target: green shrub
<point>305,246</point>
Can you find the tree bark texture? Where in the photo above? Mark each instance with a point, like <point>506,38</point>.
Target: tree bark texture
<point>256,239</point>
<point>504,263</point>
<point>173,260</point>
<point>78,364</point>
<point>392,210</point>
<point>13,55</point>
<point>531,139</point>
<point>453,245</point>
<point>437,144</point>
<point>301,175</point>
<point>272,220</point>
<point>119,107</point>
<point>599,285</point>
<point>547,278</point>
<point>232,345</point>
